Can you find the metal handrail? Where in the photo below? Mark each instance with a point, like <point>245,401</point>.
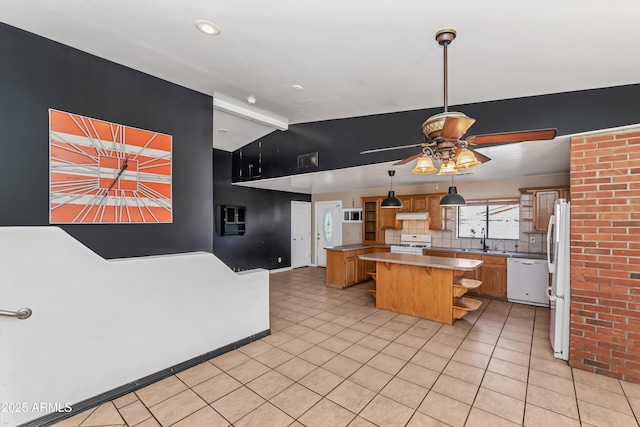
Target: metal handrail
<point>23,313</point>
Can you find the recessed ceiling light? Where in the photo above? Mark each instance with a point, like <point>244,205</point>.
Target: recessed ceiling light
<point>207,27</point>
<point>251,99</point>
<point>223,130</point>
<point>297,87</point>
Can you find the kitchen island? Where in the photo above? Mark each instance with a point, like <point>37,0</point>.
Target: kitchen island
<point>421,286</point>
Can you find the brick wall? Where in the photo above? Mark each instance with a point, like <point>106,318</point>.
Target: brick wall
<point>605,254</point>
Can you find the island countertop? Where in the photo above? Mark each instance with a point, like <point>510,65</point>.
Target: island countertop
<point>424,261</point>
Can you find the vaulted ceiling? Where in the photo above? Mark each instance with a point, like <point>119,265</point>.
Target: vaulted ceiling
<point>352,58</point>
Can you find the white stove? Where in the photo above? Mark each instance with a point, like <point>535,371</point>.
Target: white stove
<point>412,244</point>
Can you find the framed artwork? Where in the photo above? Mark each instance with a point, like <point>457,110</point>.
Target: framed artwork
<point>107,173</point>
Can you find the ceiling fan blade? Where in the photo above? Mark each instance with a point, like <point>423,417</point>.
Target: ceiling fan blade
<point>400,147</point>
<point>509,137</point>
<point>407,160</point>
<point>455,127</point>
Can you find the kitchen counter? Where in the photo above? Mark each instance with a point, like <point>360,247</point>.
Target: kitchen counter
<point>420,285</point>
<point>424,261</point>
<point>508,254</point>
<point>354,247</point>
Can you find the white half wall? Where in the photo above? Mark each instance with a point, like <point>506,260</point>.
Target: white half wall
<point>99,324</point>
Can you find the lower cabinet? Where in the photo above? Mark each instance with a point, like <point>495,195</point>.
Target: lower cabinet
<point>344,268</point>
<point>494,276</point>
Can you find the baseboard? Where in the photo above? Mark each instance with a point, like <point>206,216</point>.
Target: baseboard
<point>280,270</point>
<point>142,382</point>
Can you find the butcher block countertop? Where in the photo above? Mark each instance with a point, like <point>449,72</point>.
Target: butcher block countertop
<point>424,261</point>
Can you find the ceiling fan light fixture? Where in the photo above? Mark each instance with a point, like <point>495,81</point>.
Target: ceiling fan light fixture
<point>424,166</point>
<point>448,168</point>
<point>391,201</point>
<point>453,198</point>
<point>466,159</point>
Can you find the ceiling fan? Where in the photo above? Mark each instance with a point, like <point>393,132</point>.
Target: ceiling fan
<point>442,133</point>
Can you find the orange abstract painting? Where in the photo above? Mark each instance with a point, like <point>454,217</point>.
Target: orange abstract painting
<point>102,172</point>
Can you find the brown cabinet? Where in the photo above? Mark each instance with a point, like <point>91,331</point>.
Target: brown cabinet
<point>361,265</point>
<point>376,219</point>
<point>475,274</point>
<point>407,204</point>
<point>419,203</point>
<point>344,268</point>
<point>543,204</point>
<point>494,276</point>
<point>438,253</point>
<point>388,220</point>
<point>370,220</point>
<point>435,212</point>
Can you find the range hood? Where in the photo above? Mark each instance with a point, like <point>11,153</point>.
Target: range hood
<point>412,215</point>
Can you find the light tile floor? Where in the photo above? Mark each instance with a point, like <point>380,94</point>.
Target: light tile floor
<point>333,359</point>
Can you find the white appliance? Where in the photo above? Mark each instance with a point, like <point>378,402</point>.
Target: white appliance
<point>559,294</point>
<point>412,244</point>
<point>527,281</point>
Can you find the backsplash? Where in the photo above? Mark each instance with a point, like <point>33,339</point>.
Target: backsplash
<point>447,238</point>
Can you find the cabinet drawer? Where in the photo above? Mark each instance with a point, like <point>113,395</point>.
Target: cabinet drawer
<point>495,260</point>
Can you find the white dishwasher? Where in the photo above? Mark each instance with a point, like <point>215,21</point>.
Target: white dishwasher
<point>527,281</point>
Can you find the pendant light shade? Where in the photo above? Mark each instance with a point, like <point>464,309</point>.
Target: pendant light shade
<point>391,201</point>
<point>453,198</point>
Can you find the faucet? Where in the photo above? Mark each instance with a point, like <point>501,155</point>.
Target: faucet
<point>483,240</point>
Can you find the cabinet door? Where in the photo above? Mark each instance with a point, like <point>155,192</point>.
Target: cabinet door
<point>543,204</point>
<point>406,204</point>
<point>419,204</point>
<point>388,219</point>
<point>494,276</point>
<point>350,271</point>
<point>435,213</point>
<point>494,280</point>
<point>361,265</point>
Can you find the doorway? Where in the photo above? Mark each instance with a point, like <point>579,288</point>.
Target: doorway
<point>328,228</point>
<point>300,234</point>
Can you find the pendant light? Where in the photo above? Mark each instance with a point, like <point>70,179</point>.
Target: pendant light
<point>391,201</point>
<point>452,198</point>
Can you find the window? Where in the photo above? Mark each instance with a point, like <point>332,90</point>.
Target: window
<point>493,219</point>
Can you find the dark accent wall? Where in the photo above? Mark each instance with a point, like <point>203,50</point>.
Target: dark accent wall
<point>38,74</point>
<point>339,142</point>
<point>267,217</point>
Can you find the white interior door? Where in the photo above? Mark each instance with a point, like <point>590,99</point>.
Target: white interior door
<point>328,228</point>
<point>300,234</point>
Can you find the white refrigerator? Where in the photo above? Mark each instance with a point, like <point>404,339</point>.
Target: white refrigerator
<point>558,255</point>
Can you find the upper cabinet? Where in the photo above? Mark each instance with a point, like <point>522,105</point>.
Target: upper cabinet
<point>544,200</point>
<point>419,203</point>
<point>440,218</point>
<point>376,219</point>
<point>371,231</point>
<point>407,204</point>
<point>543,205</point>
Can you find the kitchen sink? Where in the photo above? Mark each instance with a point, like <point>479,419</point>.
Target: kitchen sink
<point>480,251</point>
